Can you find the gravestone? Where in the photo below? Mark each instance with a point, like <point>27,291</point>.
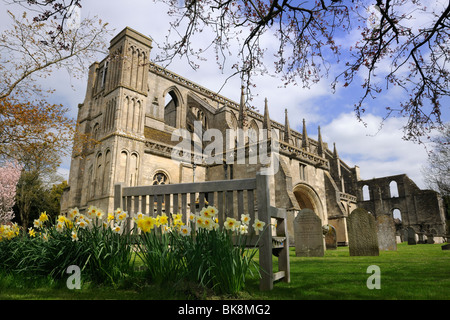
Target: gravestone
<point>404,235</point>
<point>362,234</point>
<point>308,234</point>
<point>386,233</point>
<point>411,236</point>
<point>330,237</point>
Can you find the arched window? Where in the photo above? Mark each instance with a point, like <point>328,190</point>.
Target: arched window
<point>125,113</point>
<point>366,193</point>
<point>170,109</point>
<point>105,72</point>
<point>397,214</point>
<point>160,178</point>
<point>122,167</point>
<point>393,188</point>
<point>107,172</point>
<point>233,121</point>
<point>96,131</point>
<point>134,169</point>
<point>253,132</point>
<point>99,176</point>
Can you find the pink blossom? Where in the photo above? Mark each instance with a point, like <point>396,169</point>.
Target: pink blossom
<point>9,176</point>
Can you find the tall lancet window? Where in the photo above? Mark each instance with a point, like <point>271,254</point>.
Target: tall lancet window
<point>104,74</point>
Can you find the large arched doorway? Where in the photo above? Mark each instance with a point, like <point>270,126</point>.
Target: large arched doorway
<point>308,198</point>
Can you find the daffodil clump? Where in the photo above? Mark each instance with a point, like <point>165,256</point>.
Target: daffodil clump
<point>196,249</point>
<point>74,221</point>
<point>199,250</point>
<point>146,223</point>
<point>206,219</point>
<point>9,231</point>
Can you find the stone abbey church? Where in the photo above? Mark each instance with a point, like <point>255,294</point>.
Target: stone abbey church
<point>125,109</point>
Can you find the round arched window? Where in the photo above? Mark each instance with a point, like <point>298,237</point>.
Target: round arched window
<point>160,178</point>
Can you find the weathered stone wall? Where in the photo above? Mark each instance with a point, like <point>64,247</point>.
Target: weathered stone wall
<point>420,209</point>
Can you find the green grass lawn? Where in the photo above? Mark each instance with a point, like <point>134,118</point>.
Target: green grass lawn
<point>420,272</point>
<point>411,272</point>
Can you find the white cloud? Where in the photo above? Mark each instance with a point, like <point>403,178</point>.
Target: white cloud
<point>378,153</point>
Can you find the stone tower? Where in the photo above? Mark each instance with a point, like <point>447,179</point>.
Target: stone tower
<point>113,113</point>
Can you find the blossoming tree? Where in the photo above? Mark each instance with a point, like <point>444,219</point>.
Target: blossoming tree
<point>9,176</point>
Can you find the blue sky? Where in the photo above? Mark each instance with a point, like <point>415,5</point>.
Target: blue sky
<point>377,154</point>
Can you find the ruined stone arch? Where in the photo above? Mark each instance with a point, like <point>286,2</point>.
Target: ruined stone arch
<point>172,107</point>
<point>308,198</point>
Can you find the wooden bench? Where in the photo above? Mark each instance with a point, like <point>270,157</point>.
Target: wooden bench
<point>232,198</point>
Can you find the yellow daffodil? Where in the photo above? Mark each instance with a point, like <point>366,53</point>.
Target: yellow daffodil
<point>177,223</point>
<point>258,225</point>
<point>117,228</point>
<point>9,234</point>
<point>146,224</point>
<point>69,224</point>
<point>60,226</point>
<point>245,218</point>
<point>74,236</point>
<point>99,214</point>
<point>92,211</point>
<point>138,216</point>
<point>230,224</point>
<point>243,229</point>
<point>82,223</point>
<point>37,223</point>
<point>176,216</point>
<point>110,217</point>
<point>207,223</point>
<point>163,220</point>
<point>203,213</point>
<point>73,213</point>
<point>199,220</point>
<point>185,230</point>
<point>15,228</point>
<point>43,217</point>
<point>212,210</point>
<point>31,232</point>
<point>122,215</point>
